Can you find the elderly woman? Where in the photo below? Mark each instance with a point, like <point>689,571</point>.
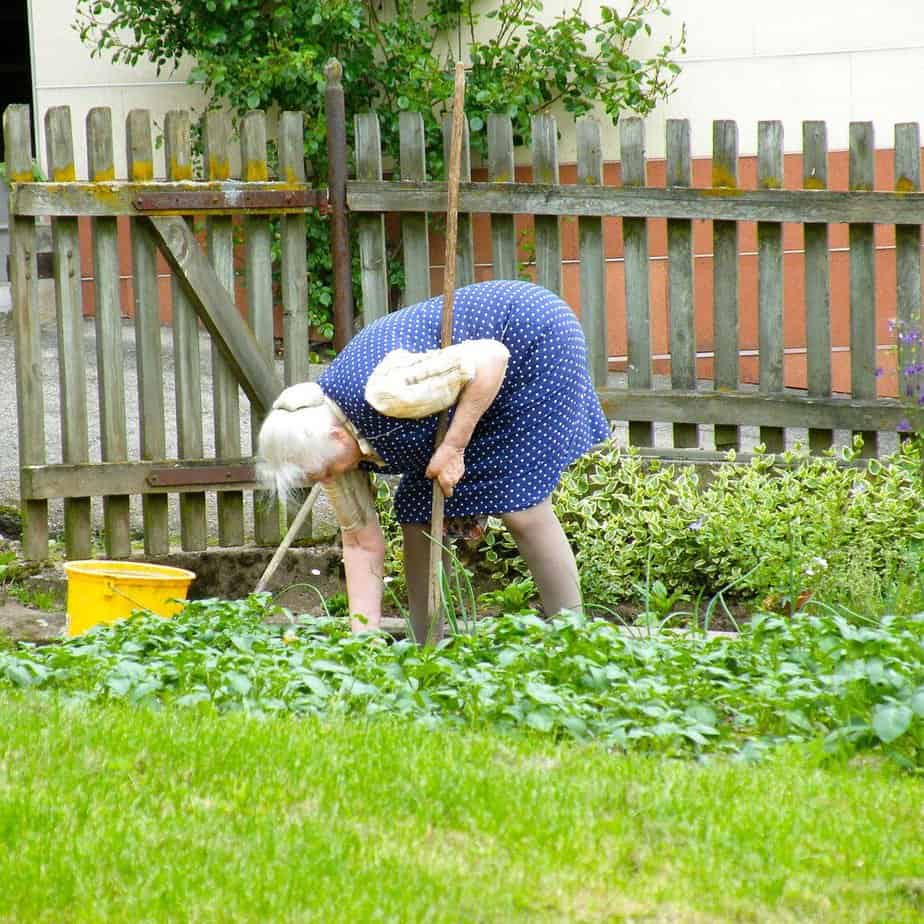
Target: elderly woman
<point>523,409</point>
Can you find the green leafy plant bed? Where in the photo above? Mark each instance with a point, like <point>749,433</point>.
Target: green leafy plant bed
<point>817,677</point>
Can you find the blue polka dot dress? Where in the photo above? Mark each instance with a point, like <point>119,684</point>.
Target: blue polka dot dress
<point>545,415</point>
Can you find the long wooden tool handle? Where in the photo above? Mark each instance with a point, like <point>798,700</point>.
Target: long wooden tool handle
<point>434,596</point>
<point>297,524</point>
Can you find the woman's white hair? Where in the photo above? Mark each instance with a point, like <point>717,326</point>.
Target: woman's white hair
<point>295,441</point>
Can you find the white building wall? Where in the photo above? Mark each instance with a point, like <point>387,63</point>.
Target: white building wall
<point>64,73</point>
<point>834,60</point>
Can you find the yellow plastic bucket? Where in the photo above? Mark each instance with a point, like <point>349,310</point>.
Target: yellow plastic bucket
<point>100,591</point>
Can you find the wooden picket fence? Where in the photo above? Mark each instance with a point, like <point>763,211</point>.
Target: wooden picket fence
<point>727,404</point>
<point>201,290</point>
<point>242,353</point>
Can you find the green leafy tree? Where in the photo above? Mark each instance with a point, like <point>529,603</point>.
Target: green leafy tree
<point>396,55</point>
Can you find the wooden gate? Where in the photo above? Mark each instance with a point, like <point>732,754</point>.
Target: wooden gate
<point>202,290</point>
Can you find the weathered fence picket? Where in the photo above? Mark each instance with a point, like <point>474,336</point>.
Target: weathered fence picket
<point>71,364</point>
<point>501,169</point>
<point>108,319</point>
<point>371,228</point>
<point>725,324</point>
<point>294,274</point>
<point>259,277</point>
<point>294,263</point>
<point>160,213</point>
<point>591,253</point>
<point>186,355</point>
<point>862,279</point>
<point>226,405</point>
<point>908,265</point>
<point>465,240</point>
<point>414,234</point>
<point>817,284</point>
<point>680,279</point>
<point>770,278</point>
<point>148,352</point>
<point>547,231</point>
<point>30,401</point>
<point>635,242</point>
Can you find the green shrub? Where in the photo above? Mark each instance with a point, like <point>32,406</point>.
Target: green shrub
<point>270,54</point>
<point>780,527</point>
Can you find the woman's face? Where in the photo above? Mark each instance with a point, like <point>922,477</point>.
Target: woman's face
<point>345,458</point>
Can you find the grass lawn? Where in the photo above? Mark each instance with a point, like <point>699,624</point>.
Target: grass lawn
<point>119,813</point>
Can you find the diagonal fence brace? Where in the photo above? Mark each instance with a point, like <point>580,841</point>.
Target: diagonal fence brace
<point>212,303</point>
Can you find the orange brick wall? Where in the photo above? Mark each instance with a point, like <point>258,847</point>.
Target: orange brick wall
<point>794,312</point>
<point>88,285</point>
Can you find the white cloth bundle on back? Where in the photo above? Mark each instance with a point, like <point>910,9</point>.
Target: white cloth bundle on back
<point>415,385</point>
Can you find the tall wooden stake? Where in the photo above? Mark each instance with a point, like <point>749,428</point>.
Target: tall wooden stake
<point>434,595</point>
<point>335,111</point>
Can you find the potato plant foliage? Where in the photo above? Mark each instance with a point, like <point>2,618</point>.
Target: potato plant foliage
<point>782,680</point>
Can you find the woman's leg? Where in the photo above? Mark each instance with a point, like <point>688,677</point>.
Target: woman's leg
<point>545,549</point>
<point>416,575</point>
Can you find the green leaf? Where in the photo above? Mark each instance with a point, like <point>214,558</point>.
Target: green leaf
<point>701,714</point>
<point>119,686</point>
<point>329,667</point>
<point>543,693</point>
<point>917,702</point>
<point>540,719</point>
<point>315,684</point>
<point>191,699</point>
<point>891,721</point>
<point>19,674</point>
<point>238,683</point>
<point>242,642</point>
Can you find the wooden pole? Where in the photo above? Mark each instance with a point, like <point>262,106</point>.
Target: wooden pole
<point>335,112</point>
<point>434,597</point>
<point>297,524</point>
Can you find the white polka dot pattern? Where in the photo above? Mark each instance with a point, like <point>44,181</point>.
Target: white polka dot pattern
<point>545,415</point>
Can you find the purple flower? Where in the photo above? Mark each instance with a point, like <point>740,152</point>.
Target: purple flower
<point>879,372</point>
<point>903,426</point>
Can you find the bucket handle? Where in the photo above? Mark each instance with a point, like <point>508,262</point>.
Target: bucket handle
<point>114,591</point>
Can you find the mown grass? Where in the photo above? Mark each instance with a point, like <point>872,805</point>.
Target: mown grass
<point>115,813</point>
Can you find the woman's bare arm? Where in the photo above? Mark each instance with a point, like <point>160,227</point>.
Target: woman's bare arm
<point>364,564</point>
<point>350,494</point>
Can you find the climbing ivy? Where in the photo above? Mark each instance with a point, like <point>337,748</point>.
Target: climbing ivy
<point>396,55</point>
